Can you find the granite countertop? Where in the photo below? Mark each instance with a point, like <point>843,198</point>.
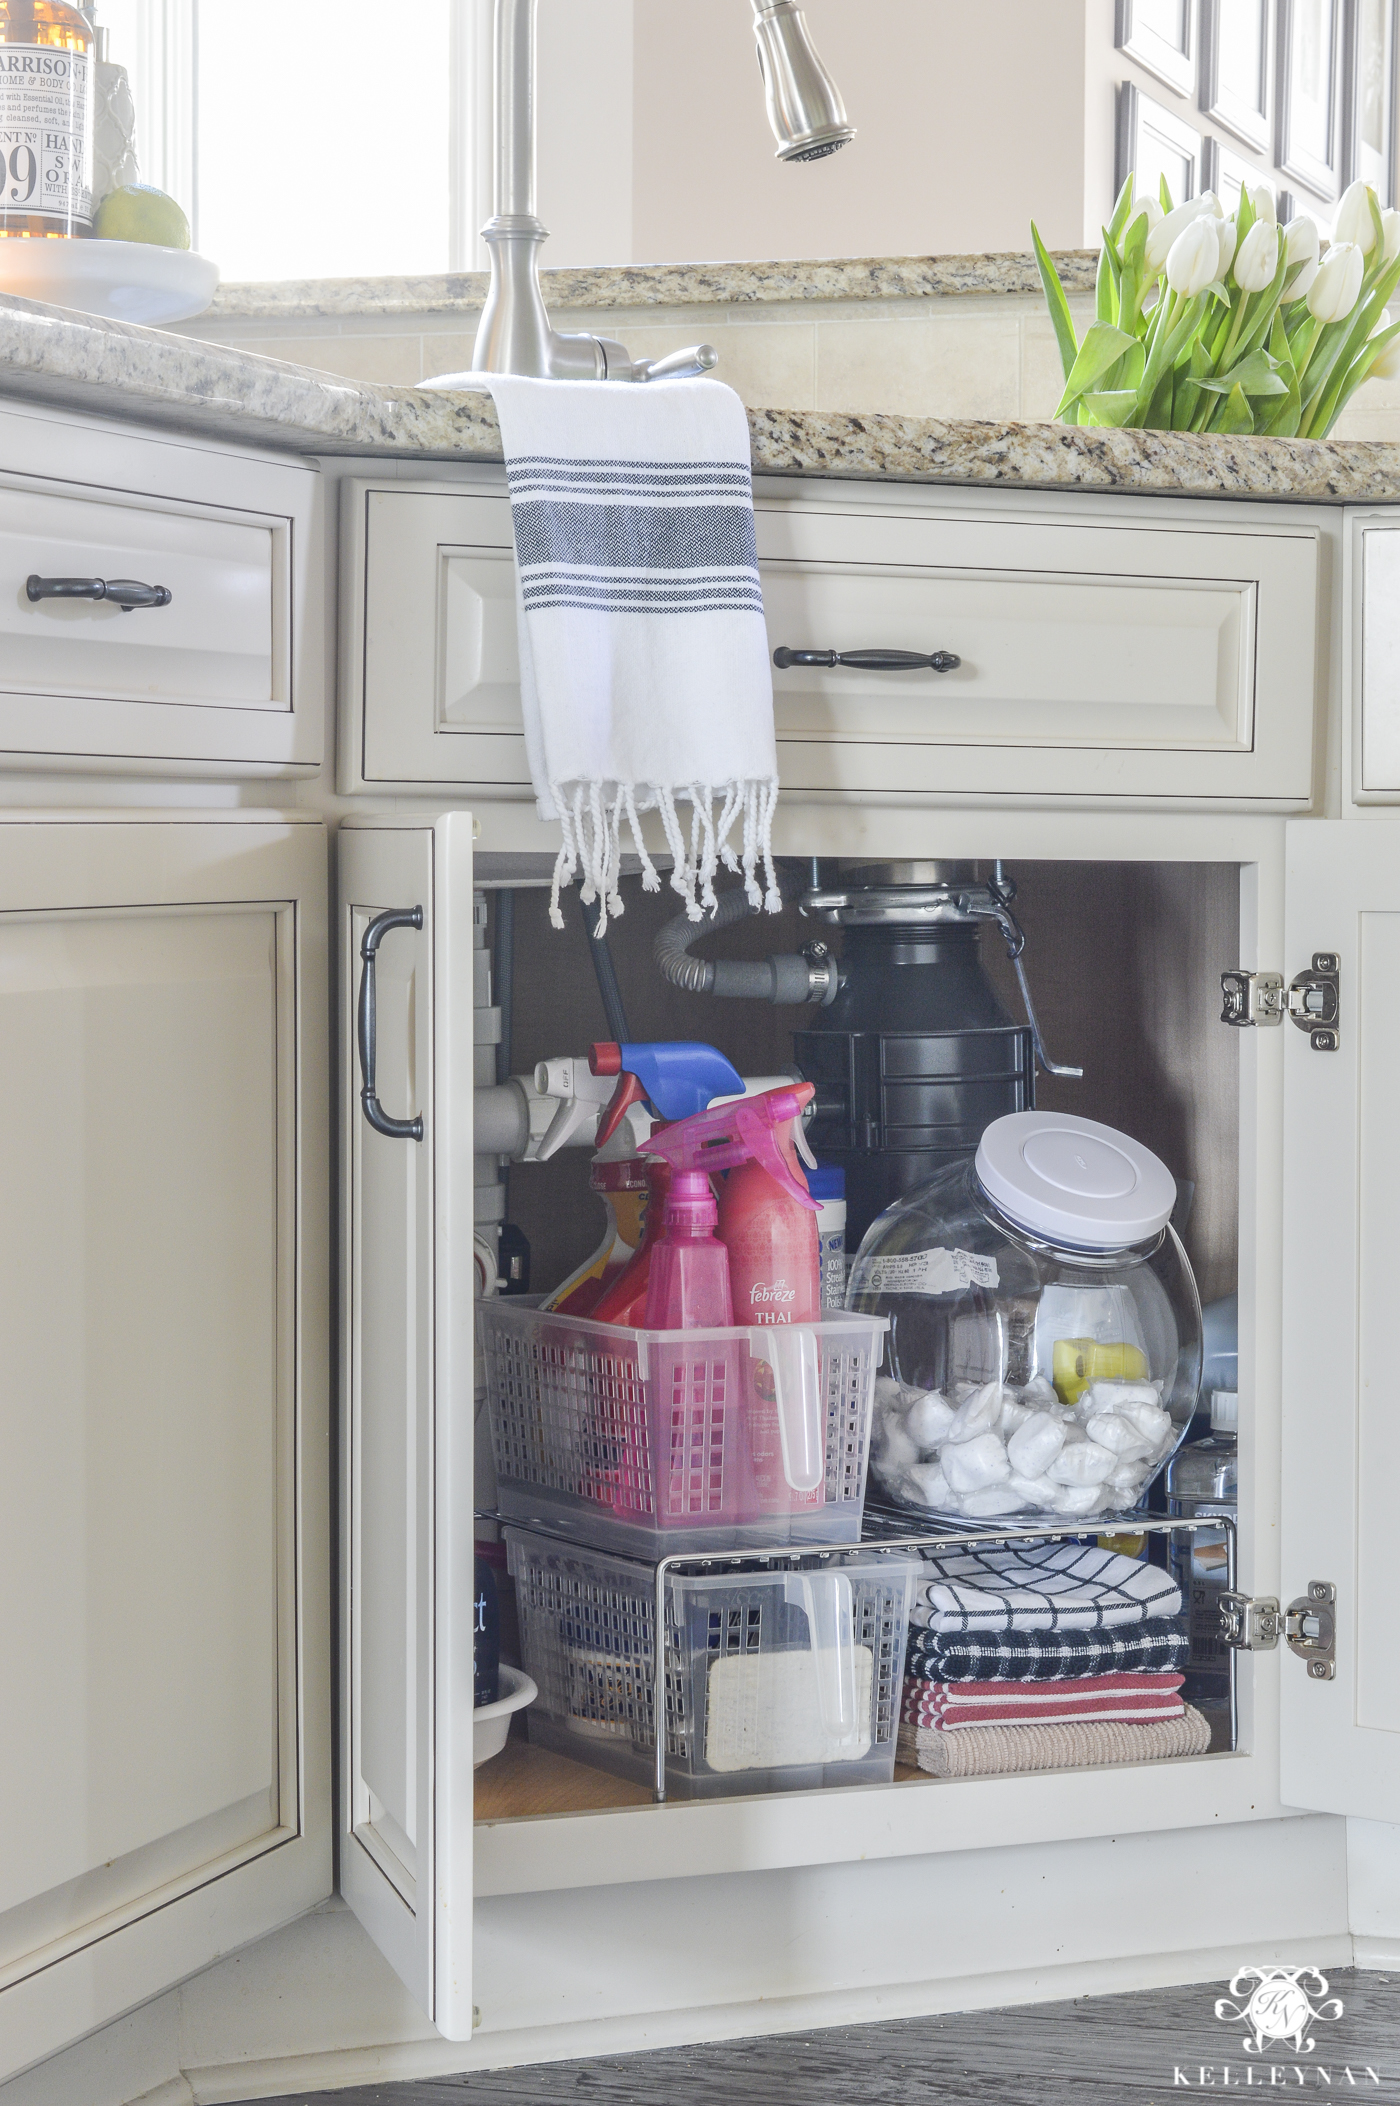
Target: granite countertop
<point>609,287</point>
<point>70,361</point>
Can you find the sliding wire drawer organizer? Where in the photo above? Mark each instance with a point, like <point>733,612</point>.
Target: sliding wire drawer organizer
<point>653,1442</point>
<point>775,1680</point>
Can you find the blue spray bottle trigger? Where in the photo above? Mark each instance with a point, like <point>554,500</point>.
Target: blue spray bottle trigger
<point>679,1077</point>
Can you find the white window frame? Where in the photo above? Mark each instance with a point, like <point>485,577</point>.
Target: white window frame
<point>164,70</point>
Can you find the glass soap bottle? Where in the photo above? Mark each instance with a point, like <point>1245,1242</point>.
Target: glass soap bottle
<point>46,60</point>
<point>1203,1479</point>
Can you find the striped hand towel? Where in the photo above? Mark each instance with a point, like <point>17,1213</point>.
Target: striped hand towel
<point>644,669</point>
<point>1157,1645</point>
<point>956,1706</point>
<point>998,1751</point>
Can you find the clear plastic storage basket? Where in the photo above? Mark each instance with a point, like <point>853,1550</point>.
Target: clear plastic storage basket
<point>651,1442</point>
<point>775,1681</point>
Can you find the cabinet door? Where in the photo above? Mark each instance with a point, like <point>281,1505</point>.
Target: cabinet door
<point>1341,1389</point>
<point>164,1498</point>
<point>407,1412</point>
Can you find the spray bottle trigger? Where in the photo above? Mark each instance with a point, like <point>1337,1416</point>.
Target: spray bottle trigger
<point>629,1091</point>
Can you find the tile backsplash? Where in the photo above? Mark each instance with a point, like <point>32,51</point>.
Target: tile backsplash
<point>989,355</point>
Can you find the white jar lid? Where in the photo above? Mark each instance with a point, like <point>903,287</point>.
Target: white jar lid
<point>1224,1411</point>
<point>1074,1181</point>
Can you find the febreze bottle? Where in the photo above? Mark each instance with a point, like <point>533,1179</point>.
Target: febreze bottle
<point>771,1234</point>
<point>676,1077</point>
<point>784,1405</point>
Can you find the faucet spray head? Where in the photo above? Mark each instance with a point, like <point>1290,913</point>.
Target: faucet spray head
<point>804,103</point>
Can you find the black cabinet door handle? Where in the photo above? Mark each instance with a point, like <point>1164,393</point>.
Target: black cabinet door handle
<point>870,661</point>
<point>125,593</point>
<point>379,1119</point>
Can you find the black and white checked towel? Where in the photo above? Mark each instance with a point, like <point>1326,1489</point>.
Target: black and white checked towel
<point>1158,1645</point>
<point>1041,1587</point>
<point>644,670</point>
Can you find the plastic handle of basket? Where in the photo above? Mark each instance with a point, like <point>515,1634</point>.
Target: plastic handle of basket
<point>827,1602</point>
<point>797,1384</point>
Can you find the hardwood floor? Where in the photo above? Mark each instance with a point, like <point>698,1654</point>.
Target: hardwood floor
<point>1109,2049</point>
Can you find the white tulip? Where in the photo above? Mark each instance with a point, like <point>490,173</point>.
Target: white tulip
<point>1150,206</point>
<point>1387,362</point>
<point>1193,260</point>
<point>1262,200</point>
<point>1337,286</point>
<point>1302,238</point>
<point>1162,236</point>
<point>1390,226</point>
<point>1256,260</point>
<point>1227,233</point>
<point>1354,218</point>
<point>1301,241</point>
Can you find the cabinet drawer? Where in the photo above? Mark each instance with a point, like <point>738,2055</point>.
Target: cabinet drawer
<point>1099,656</point>
<point>220,678</point>
<point>1105,658</point>
<point>1375,656</point>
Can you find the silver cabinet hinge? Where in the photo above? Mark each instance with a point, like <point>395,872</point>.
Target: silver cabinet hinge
<point>1312,1000</point>
<point>1254,1623</point>
<point>1310,1627</point>
<point>1315,1001</point>
<point>1250,1623</point>
<point>1251,998</point>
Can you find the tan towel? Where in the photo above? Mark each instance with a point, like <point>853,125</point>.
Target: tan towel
<point>993,1751</point>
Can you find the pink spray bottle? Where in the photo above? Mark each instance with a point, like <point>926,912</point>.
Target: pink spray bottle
<point>784,1404</point>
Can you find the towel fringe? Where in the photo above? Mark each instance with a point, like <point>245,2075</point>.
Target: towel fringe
<point>591,843</point>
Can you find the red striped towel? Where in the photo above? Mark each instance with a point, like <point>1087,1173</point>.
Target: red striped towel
<point>949,1705</point>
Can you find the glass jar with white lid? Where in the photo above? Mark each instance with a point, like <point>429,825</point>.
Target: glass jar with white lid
<point>1044,1353</point>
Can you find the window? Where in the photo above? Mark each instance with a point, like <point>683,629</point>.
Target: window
<point>308,141</point>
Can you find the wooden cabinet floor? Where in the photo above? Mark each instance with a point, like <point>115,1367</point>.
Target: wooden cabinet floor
<point>1109,2048</point>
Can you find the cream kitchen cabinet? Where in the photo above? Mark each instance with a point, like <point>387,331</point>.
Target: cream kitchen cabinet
<point>213,665</point>
<point>1110,649</point>
<point>1315,1426</point>
<point>164,1539</point>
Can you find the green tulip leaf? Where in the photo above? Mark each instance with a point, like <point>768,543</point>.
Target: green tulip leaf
<point>1235,413</point>
<point>1114,406</point>
<point>1122,207</point>
<point>1102,347</point>
<point>1257,375</point>
<point>1058,305</point>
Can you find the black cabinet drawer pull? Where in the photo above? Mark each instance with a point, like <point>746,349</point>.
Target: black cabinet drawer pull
<point>871,661</point>
<point>367,1026</point>
<point>125,593</point>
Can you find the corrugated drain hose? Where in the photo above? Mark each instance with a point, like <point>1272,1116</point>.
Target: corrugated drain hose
<point>810,975</point>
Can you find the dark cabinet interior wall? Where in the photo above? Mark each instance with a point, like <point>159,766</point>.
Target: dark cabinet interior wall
<point>1124,962</point>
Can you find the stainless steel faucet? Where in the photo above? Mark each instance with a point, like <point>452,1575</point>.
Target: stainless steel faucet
<point>514,334</point>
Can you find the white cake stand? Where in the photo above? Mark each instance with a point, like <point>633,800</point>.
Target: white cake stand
<point>126,281</point>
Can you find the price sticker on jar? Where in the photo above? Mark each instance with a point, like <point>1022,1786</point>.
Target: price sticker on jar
<point>926,1272</point>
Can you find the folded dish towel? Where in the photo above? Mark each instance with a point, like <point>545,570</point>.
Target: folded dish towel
<point>1157,1645</point>
<point>994,1751</point>
<point>1044,1587</point>
<point>644,673</point>
<point>958,1706</point>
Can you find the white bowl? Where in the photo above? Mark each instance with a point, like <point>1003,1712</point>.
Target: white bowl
<point>491,1722</point>
<point>125,281</point>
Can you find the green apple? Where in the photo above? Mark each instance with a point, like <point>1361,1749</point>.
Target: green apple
<point>140,212</point>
